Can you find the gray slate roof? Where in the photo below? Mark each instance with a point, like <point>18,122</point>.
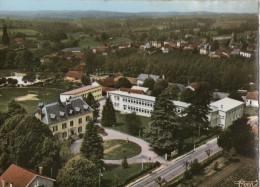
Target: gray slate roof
<point>58,111</point>
<point>143,76</point>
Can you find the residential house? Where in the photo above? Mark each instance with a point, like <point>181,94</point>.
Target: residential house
<point>245,53</point>
<point>74,76</point>
<point>204,48</point>
<point>95,89</point>
<point>100,49</point>
<point>71,50</point>
<point>252,99</point>
<point>144,89</point>
<point>142,77</point>
<point>66,118</point>
<point>228,110</point>
<point>16,176</point>
<point>193,86</point>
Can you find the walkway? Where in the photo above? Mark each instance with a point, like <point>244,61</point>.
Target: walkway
<point>145,156</point>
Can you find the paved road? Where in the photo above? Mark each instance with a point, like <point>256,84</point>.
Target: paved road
<point>176,166</point>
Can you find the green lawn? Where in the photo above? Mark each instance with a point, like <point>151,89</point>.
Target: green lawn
<point>116,175</point>
<point>251,111</point>
<point>47,95</point>
<point>8,72</point>
<point>118,149</point>
<point>28,32</point>
<point>122,126</point>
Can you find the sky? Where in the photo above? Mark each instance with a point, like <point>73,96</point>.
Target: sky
<point>134,6</point>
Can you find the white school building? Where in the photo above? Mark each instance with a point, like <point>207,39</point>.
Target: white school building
<point>223,112</point>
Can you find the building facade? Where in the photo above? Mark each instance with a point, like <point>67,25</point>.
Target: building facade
<point>95,89</point>
<point>225,111</point>
<point>252,99</point>
<point>66,118</point>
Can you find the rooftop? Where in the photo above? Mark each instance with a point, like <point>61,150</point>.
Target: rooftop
<point>140,88</point>
<point>252,95</point>
<point>58,111</point>
<point>226,104</point>
<point>75,74</point>
<point>139,96</point>
<point>145,76</point>
<point>19,176</point>
<point>79,90</point>
<point>182,104</point>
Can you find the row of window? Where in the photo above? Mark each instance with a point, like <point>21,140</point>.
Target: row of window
<point>138,101</point>
<point>65,134</point>
<point>94,91</point>
<point>137,109</point>
<point>64,125</point>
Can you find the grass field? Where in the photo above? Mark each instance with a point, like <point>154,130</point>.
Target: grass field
<point>114,175</point>
<point>118,149</point>
<point>8,72</point>
<point>47,95</point>
<point>28,32</point>
<point>122,126</point>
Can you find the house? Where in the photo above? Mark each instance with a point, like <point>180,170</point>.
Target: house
<point>130,90</point>
<point>180,107</point>
<point>80,68</point>
<point>74,76</point>
<point>71,50</point>
<point>193,86</point>
<point>16,176</point>
<point>226,111</point>
<point>252,99</point>
<point>95,89</point>
<point>246,54</point>
<point>205,48</point>
<point>144,89</point>
<point>100,49</point>
<point>65,118</point>
<point>142,77</point>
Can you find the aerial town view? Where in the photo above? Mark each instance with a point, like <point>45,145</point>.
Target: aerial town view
<point>127,93</point>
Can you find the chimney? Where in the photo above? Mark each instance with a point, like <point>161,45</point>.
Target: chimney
<point>3,182</point>
<point>221,106</point>
<point>40,170</point>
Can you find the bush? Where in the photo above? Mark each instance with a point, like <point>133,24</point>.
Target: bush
<point>187,175</point>
<point>124,163</point>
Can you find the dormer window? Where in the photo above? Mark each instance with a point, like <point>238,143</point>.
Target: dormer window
<point>71,111</point>
<point>62,114</point>
<point>85,107</point>
<point>53,116</point>
<point>77,109</point>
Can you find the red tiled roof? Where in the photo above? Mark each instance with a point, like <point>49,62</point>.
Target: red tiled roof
<point>80,67</point>
<point>19,177</point>
<point>132,90</point>
<point>252,95</point>
<point>194,85</point>
<point>75,74</point>
<point>109,81</point>
<point>106,89</point>
<point>118,74</point>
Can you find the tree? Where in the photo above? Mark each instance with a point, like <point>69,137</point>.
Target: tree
<point>104,36</point>
<point>15,108</point>
<point>133,123</point>
<point>149,83</point>
<point>85,80</point>
<point>162,131</point>
<point>92,145</point>
<point>94,105</point>
<point>123,82</point>
<point>196,168</point>
<point>235,95</point>
<point>24,140</point>
<point>159,86</point>
<point>2,80</point>
<point>29,77</point>
<point>108,118</point>
<point>187,96</point>
<point>78,171</point>
<point>12,82</point>
<point>199,108</point>
<point>238,135</point>
<point>172,91</point>
<point>124,163</point>
<point>5,37</point>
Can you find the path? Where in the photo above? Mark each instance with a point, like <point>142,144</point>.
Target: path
<point>144,156</point>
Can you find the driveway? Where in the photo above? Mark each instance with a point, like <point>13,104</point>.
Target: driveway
<point>146,155</point>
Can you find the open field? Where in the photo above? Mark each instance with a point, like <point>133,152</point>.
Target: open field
<point>47,95</point>
<point>8,72</point>
<point>118,149</point>
<point>27,31</point>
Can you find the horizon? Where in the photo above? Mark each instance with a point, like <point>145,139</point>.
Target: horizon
<point>133,6</point>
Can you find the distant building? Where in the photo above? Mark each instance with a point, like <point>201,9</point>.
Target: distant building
<point>246,54</point>
<point>144,89</point>
<point>72,50</point>
<point>95,89</point>
<point>74,76</point>
<point>252,99</point>
<point>16,176</point>
<point>66,118</point>
<point>142,77</point>
<point>225,111</point>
